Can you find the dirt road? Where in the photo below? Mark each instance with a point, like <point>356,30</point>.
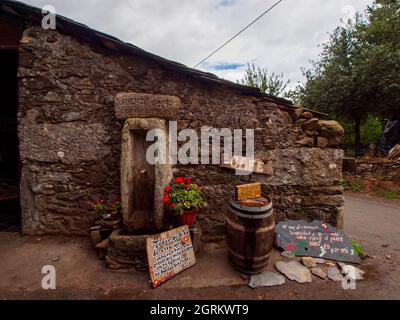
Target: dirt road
<point>373,219</point>
<point>373,222</point>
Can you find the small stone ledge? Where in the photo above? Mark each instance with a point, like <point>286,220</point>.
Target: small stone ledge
<point>143,105</point>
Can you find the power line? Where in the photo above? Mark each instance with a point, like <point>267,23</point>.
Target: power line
<point>240,32</point>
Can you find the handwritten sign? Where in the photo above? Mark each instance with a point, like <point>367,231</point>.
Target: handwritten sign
<point>168,254</point>
<point>315,239</point>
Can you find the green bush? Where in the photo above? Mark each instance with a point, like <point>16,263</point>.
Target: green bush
<point>350,186</point>
<point>371,130</point>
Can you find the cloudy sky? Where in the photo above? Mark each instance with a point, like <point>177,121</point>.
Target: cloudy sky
<point>188,30</point>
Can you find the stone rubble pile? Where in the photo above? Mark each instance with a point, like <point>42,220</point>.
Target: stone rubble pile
<point>302,272</point>
<point>318,133</point>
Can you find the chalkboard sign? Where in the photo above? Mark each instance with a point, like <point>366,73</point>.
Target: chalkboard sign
<point>315,239</point>
<point>169,253</point>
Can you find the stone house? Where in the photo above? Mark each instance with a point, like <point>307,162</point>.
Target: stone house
<point>64,93</point>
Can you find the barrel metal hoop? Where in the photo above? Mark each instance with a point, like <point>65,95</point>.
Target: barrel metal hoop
<point>258,258</point>
<point>253,216</point>
<point>238,206</point>
<point>242,228</point>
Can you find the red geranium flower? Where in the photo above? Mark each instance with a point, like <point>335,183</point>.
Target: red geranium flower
<point>179,180</point>
<point>167,189</point>
<point>165,199</point>
<point>172,205</point>
<point>187,180</point>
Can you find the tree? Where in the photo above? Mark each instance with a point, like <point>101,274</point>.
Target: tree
<point>358,71</point>
<point>381,59</point>
<point>333,84</point>
<point>273,84</point>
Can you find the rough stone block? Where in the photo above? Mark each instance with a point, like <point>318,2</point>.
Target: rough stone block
<point>296,114</point>
<point>126,251</point>
<point>70,143</point>
<point>307,115</point>
<point>331,130</point>
<point>306,142</point>
<point>303,166</point>
<point>322,142</point>
<point>311,124</point>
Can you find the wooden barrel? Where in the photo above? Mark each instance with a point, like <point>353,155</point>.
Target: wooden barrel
<point>250,236</point>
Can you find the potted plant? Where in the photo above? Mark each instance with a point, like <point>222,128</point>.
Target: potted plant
<point>110,214</point>
<point>184,199</point>
<point>99,207</point>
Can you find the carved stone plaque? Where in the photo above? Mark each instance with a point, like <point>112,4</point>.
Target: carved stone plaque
<point>142,105</point>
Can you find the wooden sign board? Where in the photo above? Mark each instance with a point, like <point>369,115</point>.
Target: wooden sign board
<point>247,165</point>
<point>248,191</point>
<point>168,254</point>
<point>315,239</point>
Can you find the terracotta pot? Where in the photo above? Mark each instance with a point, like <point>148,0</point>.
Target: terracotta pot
<point>188,218</point>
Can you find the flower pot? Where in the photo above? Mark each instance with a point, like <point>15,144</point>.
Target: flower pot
<point>188,218</point>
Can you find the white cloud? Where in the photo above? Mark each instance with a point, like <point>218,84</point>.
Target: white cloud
<point>187,31</point>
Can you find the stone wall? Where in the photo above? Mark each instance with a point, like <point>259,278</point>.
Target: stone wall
<point>375,175</point>
<point>70,139</point>
<point>383,169</point>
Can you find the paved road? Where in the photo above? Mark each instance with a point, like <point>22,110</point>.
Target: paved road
<point>372,219</point>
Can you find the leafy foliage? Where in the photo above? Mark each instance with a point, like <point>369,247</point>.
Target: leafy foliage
<point>370,131</point>
<point>181,195</point>
<point>357,248</point>
<point>99,206</point>
<point>350,186</point>
<point>257,77</point>
<point>114,207</point>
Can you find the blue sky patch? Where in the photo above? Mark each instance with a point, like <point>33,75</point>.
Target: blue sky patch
<point>223,66</point>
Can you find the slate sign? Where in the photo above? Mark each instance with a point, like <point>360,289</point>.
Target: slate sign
<point>168,254</point>
<point>315,239</point>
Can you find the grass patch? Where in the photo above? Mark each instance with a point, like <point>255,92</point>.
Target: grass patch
<point>391,195</point>
<point>350,186</point>
<point>357,248</point>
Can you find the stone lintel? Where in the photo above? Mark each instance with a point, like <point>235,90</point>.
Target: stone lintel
<point>143,105</point>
